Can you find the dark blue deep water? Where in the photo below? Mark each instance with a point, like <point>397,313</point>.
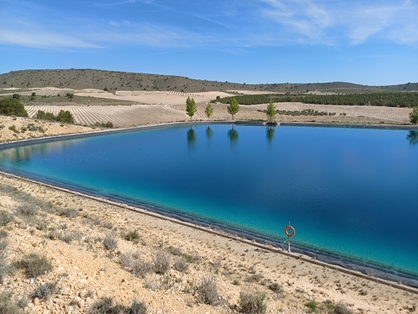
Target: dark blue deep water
<point>349,192</point>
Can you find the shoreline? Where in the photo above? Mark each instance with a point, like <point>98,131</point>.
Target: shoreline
<point>341,263</point>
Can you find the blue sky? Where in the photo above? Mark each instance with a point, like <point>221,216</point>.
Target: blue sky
<point>373,42</point>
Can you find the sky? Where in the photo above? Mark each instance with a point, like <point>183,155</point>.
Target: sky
<point>371,42</point>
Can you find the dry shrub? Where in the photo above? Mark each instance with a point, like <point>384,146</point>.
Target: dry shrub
<point>5,218</point>
<point>44,291</point>
<point>181,265</point>
<point>161,261</point>
<point>107,306</point>
<point>252,303</point>
<point>207,292</point>
<point>34,265</point>
<point>110,242</point>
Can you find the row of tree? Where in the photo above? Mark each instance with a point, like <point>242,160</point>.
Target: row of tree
<point>191,108</point>
<point>62,116</point>
<point>232,109</point>
<point>400,99</point>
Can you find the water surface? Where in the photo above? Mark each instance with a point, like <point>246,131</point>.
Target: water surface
<point>349,192</point>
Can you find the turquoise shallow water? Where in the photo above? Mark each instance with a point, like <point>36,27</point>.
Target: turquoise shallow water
<point>349,192</point>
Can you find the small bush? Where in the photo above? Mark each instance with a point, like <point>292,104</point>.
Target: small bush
<point>174,251</point>
<point>275,287</point>
<point>252,303</point>
<point>3,234</point>
<point>107,306</point>
<point>110,242</point>
<point>341,308</point>
<point>207,292</point>
<point>4,265</point>
<point>142,269</point>
<point>26,211</point>
<point>6,304</point>
<point>161,262</point>
<point>126,260</point>
<point>67,212</point>
<point>68,236</point>
<point>44,291</point>
<point>181,265</point>
<point>34,265</point>
<point>312,305</point>
<point>132,236</point>
<point>5,218</point>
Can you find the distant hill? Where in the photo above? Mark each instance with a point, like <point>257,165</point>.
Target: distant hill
<point>112,81</point>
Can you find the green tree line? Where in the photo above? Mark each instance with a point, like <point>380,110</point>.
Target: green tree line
<point>63,116</point>
<point>401,99</point>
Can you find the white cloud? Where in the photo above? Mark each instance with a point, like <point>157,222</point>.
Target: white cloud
<point>352,22</point>
<point>42,39</point>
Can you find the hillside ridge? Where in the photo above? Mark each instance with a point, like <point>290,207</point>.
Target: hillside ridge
<point>117,80</point>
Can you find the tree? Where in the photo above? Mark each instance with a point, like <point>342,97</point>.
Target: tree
<point>233,107</point>
<point>271,111</point>
<point>65,116</point>
<point>209,110</point>
<point>190,107</point>
<point>413,116</point>
<point>12,106</point>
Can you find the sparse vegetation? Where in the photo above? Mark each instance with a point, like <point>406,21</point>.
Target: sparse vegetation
<point>312,305</point>
<point>207,292</point>
<point>44,291</point>
<point>161,261</point>
<point>5,218</point>
<point>110,242</point>
<point>34,265</point>
<point>252,303</point>
<point>6,304</point>
<point>132,236</point>
<point>107,306</point>
<point>181,265</point>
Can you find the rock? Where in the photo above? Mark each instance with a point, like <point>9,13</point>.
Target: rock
<point>36,301</point>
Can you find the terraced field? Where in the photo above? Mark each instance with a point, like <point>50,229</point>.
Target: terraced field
<point>120,116</point>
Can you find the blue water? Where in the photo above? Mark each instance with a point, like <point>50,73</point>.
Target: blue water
<point>350,192</point>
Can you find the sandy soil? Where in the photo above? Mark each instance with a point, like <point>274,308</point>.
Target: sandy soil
<point>69,230</point>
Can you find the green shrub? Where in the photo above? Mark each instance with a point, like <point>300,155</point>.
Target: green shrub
<point>12,106</point>
<point>275,287</point>
<point>252,303</point>
<point>132,236</point>
<point>413,116</point>
<point>312,305</point>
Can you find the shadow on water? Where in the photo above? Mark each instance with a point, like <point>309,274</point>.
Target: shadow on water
<point>209,132</point>
<point>191,139</point>
<point>412,137</point>
<point>270,133</point>
<point>233,135</point>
